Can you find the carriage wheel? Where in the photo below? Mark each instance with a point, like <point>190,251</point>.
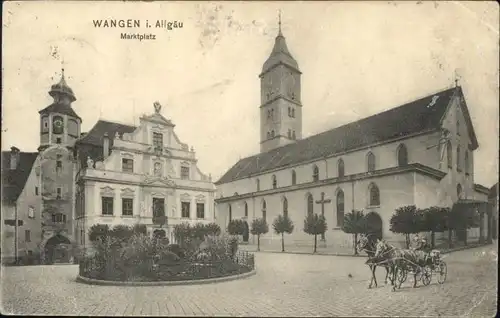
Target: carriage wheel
<point>402,275</point>
<point>443,270</point>
<point>426,275</point>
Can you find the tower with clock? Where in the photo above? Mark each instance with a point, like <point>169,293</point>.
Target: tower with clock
<point>59,130</point>
<point>281,107</point>
<point>59,123</point>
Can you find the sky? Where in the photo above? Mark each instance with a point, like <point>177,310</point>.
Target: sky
<point>357,59</point>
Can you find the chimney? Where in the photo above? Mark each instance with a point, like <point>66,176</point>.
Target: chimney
<point>105,145</point>
<point>14,158</point>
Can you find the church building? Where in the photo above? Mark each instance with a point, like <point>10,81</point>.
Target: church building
<point>140,175</point>
<point>420,153</point>
<point>38,187</point>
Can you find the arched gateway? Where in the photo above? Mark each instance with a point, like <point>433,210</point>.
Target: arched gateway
<point>374,224</point>
<point>57,249</point>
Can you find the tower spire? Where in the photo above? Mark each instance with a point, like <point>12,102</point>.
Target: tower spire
<point>279,22</point>
<point>62,68</point>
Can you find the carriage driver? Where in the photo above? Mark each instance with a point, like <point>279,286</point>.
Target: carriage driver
<point>420,243</point>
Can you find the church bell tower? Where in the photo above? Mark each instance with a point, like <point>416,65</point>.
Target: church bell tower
<point>281,107</point>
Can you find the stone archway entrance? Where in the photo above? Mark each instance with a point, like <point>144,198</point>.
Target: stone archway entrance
<point>57,250</point>
<point>246,233</point>
<point>374,225</point>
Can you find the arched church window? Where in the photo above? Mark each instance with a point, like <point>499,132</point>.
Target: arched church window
<point>371,162</point>
<point>264,211</point>
<point>459,166</point>
<point>310,204</point>
<point>466,163</point>
<point>230,212</point>
<point>315,173</point>
<point>402,155</point>
<point>246,210</point>
<point>448,154</point>
<point>374,195</point>
<point>275,182</point>
<point>340,208</point>
<point>340,168</point>
<point>294,177</point>
<point>285,207</point>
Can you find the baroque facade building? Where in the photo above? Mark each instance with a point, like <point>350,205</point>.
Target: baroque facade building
<point>420,153</point>
<point>38,187</point>
<point>140,175</point>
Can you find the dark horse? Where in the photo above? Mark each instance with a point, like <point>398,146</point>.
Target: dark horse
<point>367,244</point>
<point>401,260</point>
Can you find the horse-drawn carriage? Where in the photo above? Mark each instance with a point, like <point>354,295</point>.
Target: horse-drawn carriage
<point>433,264</point>
<point>401,262</point>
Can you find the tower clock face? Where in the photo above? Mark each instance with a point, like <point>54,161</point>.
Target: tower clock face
<point>58,125</point>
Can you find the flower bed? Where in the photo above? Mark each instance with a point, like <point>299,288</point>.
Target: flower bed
<point>141,259</point>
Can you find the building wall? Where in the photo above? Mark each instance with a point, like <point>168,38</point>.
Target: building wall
<point>27,200</point>
<point>52,179</point>
<point>395,191</point>
<point>107,178</point>
<point>398,190</point>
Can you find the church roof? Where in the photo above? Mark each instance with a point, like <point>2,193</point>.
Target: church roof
<point>60,108</point>
<point>95,135</point>
<point>280,55</point>
<point>418,116</point>
<point>13,181</point>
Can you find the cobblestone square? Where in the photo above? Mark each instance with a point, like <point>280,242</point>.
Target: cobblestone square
<point>285,285</point>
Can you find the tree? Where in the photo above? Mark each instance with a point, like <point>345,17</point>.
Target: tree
<point>354,223</point>
<point>435,219</point>
<point>236,227</point>
<point>283,224</point>
<point>122,233</point>
<point>182,232</point>
<point>99,232</point>
<point>198,231</point>
<point>406,220</point>
<point>140,229</point>
<point>259,227</point>
<point>315,224</point>
<point>213,229</point>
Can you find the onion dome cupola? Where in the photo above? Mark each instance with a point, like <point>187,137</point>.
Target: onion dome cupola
<point>61,90</point>
<point>280,54</point>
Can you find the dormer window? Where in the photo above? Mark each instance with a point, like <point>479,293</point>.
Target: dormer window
<point>185,173</point>
<point>158,140</point>
<point>127,165</point>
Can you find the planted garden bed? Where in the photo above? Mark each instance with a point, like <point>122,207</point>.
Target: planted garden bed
<point>140,258</point>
